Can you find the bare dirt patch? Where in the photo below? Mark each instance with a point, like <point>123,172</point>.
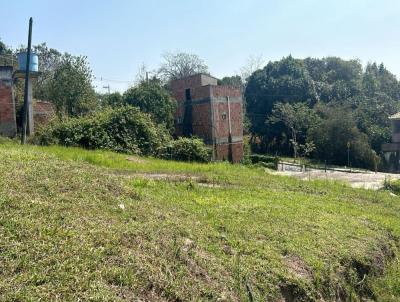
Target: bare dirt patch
<point>298,267</point>
<point>136,160</point>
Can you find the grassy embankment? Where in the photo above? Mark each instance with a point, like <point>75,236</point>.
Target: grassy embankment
<point>80,225</point>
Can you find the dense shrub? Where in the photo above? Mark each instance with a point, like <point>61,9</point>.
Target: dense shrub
<point>270,162</point>
<point>124,129</point>
<point>151,97</point>
<point>392,185</point>
<point>335,133</point>
<point>187,149</point>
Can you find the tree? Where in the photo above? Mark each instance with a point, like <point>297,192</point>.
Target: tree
<point>50,59</point>
<point>253,64</point>
<point>335,79</point>
<point>113,100</point>
<point>152,98</point>
<point>5,54</point>
<point>233,81</point>
<point>179,65</point>
<point>297,118</point>
<point>70,89</point>
<point>285,81</point>
<point>337,128</point>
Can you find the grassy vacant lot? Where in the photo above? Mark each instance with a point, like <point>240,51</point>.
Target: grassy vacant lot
<point>80,225</point>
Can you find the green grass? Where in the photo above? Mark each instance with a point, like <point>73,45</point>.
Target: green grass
<point>83,225</point>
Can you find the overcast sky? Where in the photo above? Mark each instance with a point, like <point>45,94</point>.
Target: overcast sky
<point>118,36</point>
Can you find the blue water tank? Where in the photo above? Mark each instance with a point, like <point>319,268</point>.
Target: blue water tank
<point>33,64</point>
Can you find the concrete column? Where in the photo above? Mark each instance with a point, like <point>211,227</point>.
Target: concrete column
<point>30,127</point>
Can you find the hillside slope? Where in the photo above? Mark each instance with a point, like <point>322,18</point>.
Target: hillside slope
<point>98,226</point>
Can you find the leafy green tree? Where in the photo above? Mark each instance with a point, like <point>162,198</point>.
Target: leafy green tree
<point>151,97</point>
<point>285,81</point>
<point>113,100</point>
<point>297,118</point>
<point>233,81</point>
<point>49,60</point>
<point>5,54</point>
<point>335,79</point>
<point>336,129</point>
<point>70,88</point>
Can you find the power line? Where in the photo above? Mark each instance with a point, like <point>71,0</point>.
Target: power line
<point>102,79</point>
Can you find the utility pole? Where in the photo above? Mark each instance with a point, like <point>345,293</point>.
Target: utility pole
<point>28,62</point>
<point>108,88</point>
<point>348,154</point>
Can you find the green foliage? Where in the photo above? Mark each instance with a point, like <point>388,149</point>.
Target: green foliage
<point>5,54</point>
<point>392,185</point>
<point>187,149</point>
<point>50,59</point>
<point>297,118</point>
<point>152,98</point>
<point>113,100</point>
<point>335,79</point>
<point>70,89</point>
<point>270,162</point>
<point>336,129</point>
<point>233,81</point>
<point>372,95</point>
<point>285,81</point>
<point>125,129</point>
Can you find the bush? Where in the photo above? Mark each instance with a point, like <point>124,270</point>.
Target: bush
<point>187,149</point>
<point>392,185</point>
<point>124,129</point>
<point>270,162</point>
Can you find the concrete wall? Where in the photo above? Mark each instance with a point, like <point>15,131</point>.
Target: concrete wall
<point>8,126</point>
<point>197,80</point>
<point>395,130</point>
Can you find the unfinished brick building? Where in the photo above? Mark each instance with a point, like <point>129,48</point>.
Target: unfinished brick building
<point>211,112</point>
<point>40,114</point>
<point>8,125</point>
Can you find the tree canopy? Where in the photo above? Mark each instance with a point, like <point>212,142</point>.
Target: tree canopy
<point>154,99</point>
<point>70,89</point>
<point>371,95</point>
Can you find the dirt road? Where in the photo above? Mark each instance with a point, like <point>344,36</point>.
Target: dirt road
<point>367,180</point>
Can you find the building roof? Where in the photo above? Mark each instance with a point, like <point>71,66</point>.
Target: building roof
<point>395,116</point>
<point>196,75</point>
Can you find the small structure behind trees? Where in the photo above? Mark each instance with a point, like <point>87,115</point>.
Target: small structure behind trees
<point>391,151</point>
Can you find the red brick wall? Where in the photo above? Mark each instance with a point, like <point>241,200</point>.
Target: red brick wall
<point>190,82</point>
<point>202,113</point>
<point>201,117</point>
<point>6,103</point>
<point>222,125</point>
<point>222,91</point>
<point>7,110</point>
<point>223,149</point>
<point>43,112</point>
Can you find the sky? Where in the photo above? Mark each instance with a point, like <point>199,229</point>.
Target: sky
<point>121,35</point>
